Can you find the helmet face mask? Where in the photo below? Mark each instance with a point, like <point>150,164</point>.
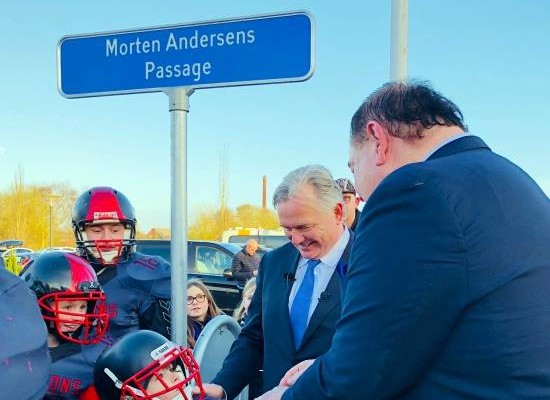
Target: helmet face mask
<point>91,326</point>
<point>145,365</point>
<point>167,378</point>
<point>69,296</point>
<point>103,252</point>
<point>104,207</point>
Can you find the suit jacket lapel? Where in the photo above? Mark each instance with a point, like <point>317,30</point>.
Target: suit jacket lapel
<point>332,296</point>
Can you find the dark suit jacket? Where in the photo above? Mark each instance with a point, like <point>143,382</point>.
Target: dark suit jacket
<point>265,341</point>
<point>447,295</point>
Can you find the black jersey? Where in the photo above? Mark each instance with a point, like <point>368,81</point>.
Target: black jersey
<point>138,295</point>
<point>72,369</point>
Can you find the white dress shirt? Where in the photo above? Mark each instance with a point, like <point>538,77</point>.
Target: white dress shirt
<point>322,272</point>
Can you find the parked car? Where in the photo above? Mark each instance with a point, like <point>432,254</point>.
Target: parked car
<point>9,244</point>
<point>207,261</point>
<point>64,249</point>
<point>16,258</point>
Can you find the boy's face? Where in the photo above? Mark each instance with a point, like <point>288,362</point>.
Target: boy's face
<point>71,314</point>
<point>170,375</point>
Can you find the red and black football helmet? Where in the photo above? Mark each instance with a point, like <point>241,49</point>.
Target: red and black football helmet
<point>128,369</point>
<point>58,276</point>
<point>98,206</point>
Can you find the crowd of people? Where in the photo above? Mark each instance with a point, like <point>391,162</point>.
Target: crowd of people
<point>437,289</point>
<point>91,308</point>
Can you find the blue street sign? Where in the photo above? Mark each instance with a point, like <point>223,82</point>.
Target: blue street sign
<point>253,50</point>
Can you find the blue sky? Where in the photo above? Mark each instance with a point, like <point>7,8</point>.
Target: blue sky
<point>490,57</point>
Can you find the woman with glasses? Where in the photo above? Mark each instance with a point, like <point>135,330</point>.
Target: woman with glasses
<point>201,308</point>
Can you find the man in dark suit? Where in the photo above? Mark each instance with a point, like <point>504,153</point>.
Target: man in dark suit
<point>447,290</point>
<point>276,336</point>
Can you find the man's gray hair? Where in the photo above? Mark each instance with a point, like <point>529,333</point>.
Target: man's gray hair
<point>318,177</point>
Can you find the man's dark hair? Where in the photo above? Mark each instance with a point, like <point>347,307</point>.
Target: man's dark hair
<point>405,110</point>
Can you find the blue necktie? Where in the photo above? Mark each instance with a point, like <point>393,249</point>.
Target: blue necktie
<point>300,307</point>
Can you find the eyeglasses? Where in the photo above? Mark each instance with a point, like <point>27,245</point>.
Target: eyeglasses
<point>200,298</point>
<point>348,198</point>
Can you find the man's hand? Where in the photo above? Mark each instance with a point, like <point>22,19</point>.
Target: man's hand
<point>295,372</point>
<point>212,390</point>
<point>274,394</point>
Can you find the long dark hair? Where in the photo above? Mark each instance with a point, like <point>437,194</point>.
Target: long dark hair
<point>212,311</point>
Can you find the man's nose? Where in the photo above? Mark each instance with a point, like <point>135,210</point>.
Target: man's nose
<point>108,235</point>
<point>79,316</point>
<point>296,238</point>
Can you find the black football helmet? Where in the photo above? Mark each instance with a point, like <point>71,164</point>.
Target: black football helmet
<point>146,365</point>
<point>57,276</point>
<point>98,206</point>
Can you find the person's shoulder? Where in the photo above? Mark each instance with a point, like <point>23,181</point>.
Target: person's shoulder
<point>240,255</point>
<point>413,172</point>
<point>8,280</point>
<point>421,178</point>
<point>91,352</point>
<point>144,267</point>
<point>14,287</point>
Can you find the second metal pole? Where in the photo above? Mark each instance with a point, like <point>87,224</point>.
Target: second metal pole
<point>179,107</point>
<point>399,40</point>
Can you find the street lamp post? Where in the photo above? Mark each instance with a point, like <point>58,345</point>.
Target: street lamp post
<point>51,197</point>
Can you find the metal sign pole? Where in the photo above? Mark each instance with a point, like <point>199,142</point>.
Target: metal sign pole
<point>399,40</point>
<point>177,59</point>
<point>179,107</point>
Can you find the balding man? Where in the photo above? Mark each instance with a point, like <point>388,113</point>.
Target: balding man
<point>447,291</point>
<point>245,262</point>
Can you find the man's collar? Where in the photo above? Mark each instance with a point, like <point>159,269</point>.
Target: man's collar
<point>458,145</point>
<point>449,140</point>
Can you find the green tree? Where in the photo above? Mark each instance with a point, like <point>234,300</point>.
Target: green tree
<point>25,214</point>
<point>209,224</point>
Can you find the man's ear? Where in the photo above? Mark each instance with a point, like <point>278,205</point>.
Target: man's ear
<point>339,212</point>
<point>380,136</point>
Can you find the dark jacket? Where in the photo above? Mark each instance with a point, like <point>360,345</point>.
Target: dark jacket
<point>354,225</point>
<point>447,288</point>
<point>243,266</point>
<point>266,341</point>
